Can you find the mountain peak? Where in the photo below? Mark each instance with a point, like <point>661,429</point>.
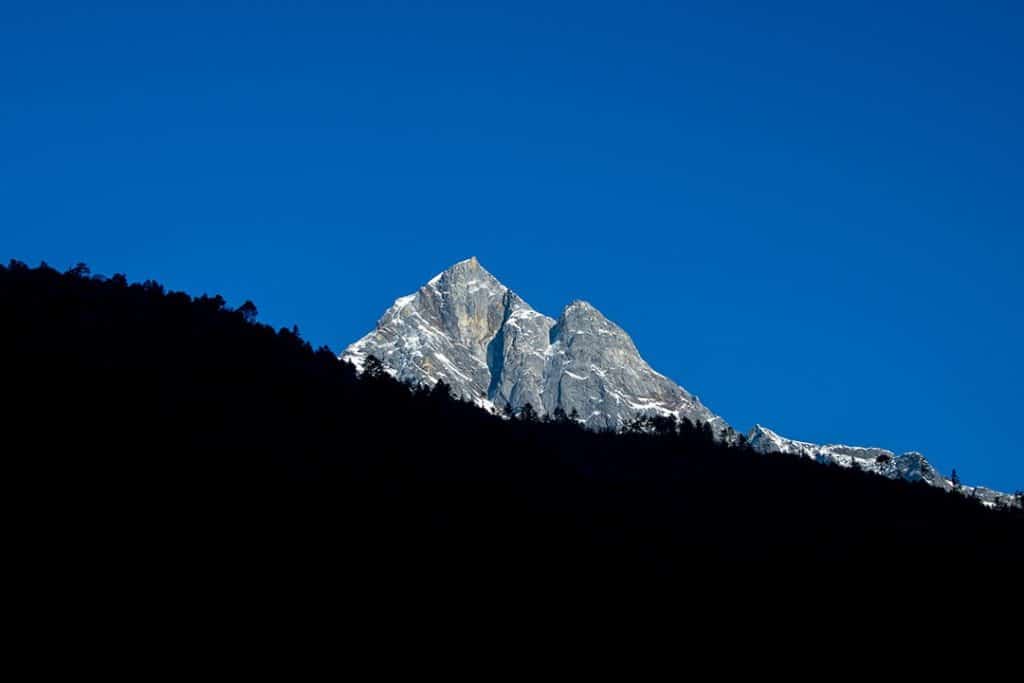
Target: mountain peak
<point>760,430</point>
<point>463,271</point>
<point>471,263</point>
<point>469,330</point>
<point>581,305</point>
<point>581,310</point>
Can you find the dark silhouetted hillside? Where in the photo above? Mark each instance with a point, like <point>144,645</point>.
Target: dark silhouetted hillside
<point>140,418</point>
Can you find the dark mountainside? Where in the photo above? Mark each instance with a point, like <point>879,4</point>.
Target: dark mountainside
<point>139,419</point>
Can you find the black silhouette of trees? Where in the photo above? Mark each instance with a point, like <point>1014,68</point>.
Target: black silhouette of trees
<point>528,414</point>
<point>79,270</point>
<point>373,368</point>
<point>441,391</point>
<point>248,311</point>
<point>665,424</point>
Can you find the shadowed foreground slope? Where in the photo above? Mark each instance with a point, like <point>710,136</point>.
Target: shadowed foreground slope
<point>141,418</point>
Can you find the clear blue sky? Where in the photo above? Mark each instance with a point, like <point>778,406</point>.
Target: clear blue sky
<point>810,214</point>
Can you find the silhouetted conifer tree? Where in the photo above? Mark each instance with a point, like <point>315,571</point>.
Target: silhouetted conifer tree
<point>528,414</point>
<point>664,424</point>
<point>248,311</point>
<point>79,270</point>
<point>441,391</point>
<point>373,368</point>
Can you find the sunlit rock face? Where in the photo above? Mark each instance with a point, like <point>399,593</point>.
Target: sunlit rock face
<point>466,328</point>
<point>594,368</point>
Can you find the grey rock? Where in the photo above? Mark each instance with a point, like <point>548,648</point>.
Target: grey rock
<point>469,330</point>
<point>595,369</point>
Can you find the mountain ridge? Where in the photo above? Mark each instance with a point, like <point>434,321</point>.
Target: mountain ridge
<point>466,328</point>
<point>910,466</point>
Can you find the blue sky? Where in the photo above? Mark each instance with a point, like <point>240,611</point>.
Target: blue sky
<point>810,214</point>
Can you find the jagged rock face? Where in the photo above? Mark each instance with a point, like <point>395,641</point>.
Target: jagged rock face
<point>467,329</point>
<point>910,466</point>
<point>443,331</point>
<point>595,369</point>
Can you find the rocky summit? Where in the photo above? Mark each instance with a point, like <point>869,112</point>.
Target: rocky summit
<point>466,328</point>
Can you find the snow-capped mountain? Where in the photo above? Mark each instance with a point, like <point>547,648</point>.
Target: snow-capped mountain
<point>910,466</point>
<point>466,328</point>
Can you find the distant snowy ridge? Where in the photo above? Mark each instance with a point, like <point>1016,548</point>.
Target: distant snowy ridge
<point>910,466</point>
